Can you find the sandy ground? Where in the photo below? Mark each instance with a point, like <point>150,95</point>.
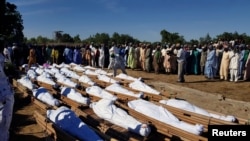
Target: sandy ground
<point>220,96</point>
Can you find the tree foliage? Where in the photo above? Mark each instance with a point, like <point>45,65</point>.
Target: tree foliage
<point>172,38</point>
<point>11,29</point>
<point>77,39</point>
<point>11,25</point>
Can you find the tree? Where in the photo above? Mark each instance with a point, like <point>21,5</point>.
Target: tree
<point>42,40</point>
<point>206,39</point>
<point>11,26</point>
<point>167,37</point>
<point>194,42</point>
<point>58,36</point>
<point>32,41</point>
<point>67,38</point>
<point>116,38</point>
<point>77,39</point>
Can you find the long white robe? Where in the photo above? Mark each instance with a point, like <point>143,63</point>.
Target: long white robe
<point>105,109</point>
<point>161,114</point>
<point>69,122</point>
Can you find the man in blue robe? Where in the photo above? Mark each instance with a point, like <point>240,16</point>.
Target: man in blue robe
<point>210,66</point>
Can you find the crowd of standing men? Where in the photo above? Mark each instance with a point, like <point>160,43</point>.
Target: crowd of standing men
<point>228,60</point>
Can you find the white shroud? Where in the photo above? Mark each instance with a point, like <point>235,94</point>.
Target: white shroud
<point>69,73</point>
<point>73,95</point>
<point>89,68</point>
<point>105,109</point>
<point>31,74</point>
<point>46,78</point>
<point>39,70</point>
<point>184,105</point>
<point>69,122</point>
<point>99,92</point>
<point>126,77</point>
<point>26,82</point>
<point>90,72</point>
<point>119,89</point>
<point>86,79</point>
<point>43,95</point>
<point>101,71</point>
<point>67,82</point>
<point>106,78</point>
<point>161,114</point>
<point>140,86</point>
<point>78,68</point>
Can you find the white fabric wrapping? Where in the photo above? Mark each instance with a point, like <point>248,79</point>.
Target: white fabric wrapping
<point>31,74</point>
<point>101,71</point>
<point>89,67</point>
<point>73,64</point>
<point>140,86</point>
<point>25,66</point>
<point>90,72</point>
<point>54,70</point>
<point>105,109</point>
<point>58,75</point>
<point>67,120</point>
<point>86,79</point>
<point>42,94</point>
<point>45,78</point>
<point>182,104</point>
<point>125,76</point>
<point>65,70</point>
<point>26,82</point>
<point>161,114</point>
<point>73,95</point>
<point>62,65</point>
<point>39,70</point>
<point>99,92</point>
<point>106,78</point>
<point>78,68</point>
<point>67,82</point>
<point>69,73</point>
<point>119,89</point>
<point>49,71</point>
